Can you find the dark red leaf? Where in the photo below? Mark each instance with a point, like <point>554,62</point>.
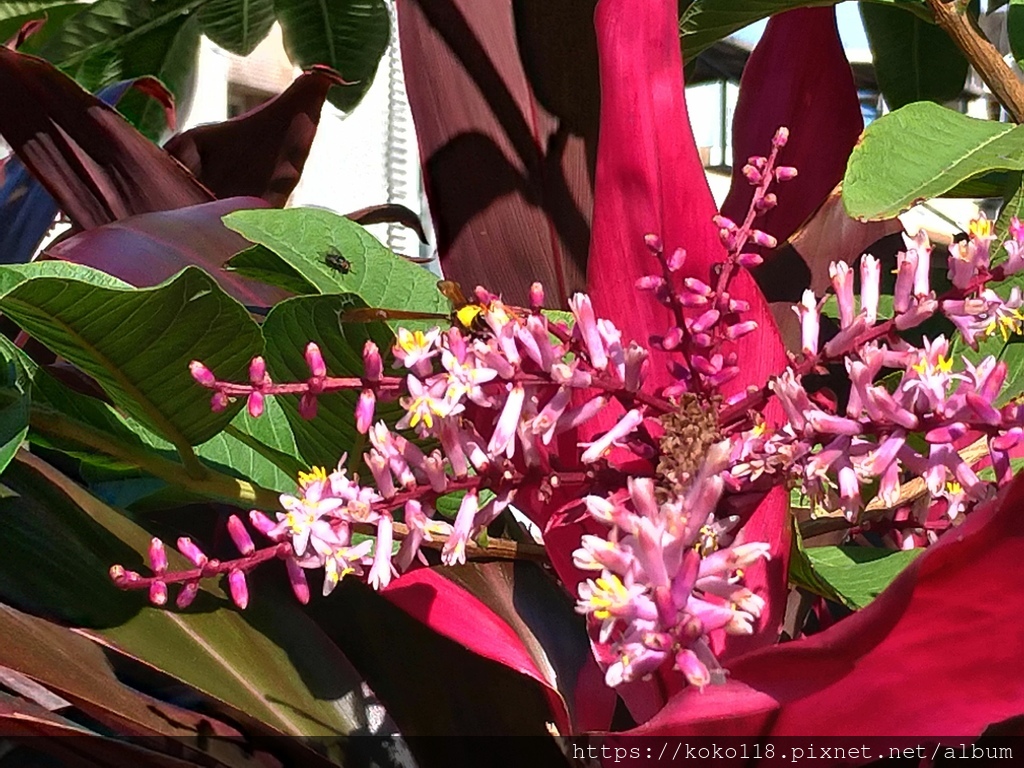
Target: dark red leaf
<point>97,167</point>
<point>260,153</point>
<point>504,99</point>
<point>936,654</point>
<point>146,250</point>
<point>389,213</point>
<point>797,76</point>
<point>28,29</point>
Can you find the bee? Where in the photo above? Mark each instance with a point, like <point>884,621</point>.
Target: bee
<point>465,314</point>
<point>336,261</point>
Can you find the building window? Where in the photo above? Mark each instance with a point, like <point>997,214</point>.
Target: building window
<point>243,98</point>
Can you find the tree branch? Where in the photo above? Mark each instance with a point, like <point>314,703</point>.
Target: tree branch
<point>951,15</point>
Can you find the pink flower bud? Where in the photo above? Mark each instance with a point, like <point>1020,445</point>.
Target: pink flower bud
<point>373,365</point>
<point>261,522</point>
<point>688,299</point>
<point>238,588</point>
<point>739,330</point>
<point>297,578</point>
<point>187,595</point>
<point>653,243</point>
<point>254,403</point>
<point>702,340</point>
<point>781,137</point>
<point>706,321</point>
<point>202,374</point>
<point>766,203</point>
<point>157,556</point>
<point>364,411</point>
<point>842,283</point>
<point>723,222</point>
<point>763,239</point>
<point>785,173</point>
<point>218,402</point>
<point>650,283</point>
<point>739,305</point>
<point>697,286</point>
<point>307,406</point>
<point>188,548</point>
<point>749,260</point>
<point>315,361</point>
<point>870,278</point>
<point>240,536</point>
<point>116,573</point>
<point>257,371</point>
<point>536,297</point>
<point>758,161</point>
<point>158,593</point>
<point>752,174</point>
<point>672,338</point>
<point>676,260</point>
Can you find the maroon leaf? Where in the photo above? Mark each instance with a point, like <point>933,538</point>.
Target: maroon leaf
<point>815,96</point>
<point>936,654</point>
<point>146,250</point>
<point>97,167</point>
<point>509,613</point>
<point>504,99</point>
<point>389,213</point>
<point>28,29</point>
<point>260,153</point>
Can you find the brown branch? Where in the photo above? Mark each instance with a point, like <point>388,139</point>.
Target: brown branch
<point>951,15</point>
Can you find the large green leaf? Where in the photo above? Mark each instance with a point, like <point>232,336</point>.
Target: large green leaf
<point>112,40</point>
<point>889,171</point>
<point>304,237</point>
<point>858,574</point>
<point>914,59</point>
<point>271,664</point>
<point>350,36</point>
<point>704,22</point>
<point>15,13</point>
<point>238,25</point>
<point>289,327</point>
<point>138,344</point>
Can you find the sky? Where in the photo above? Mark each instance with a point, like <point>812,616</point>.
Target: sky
<point>850,28</point>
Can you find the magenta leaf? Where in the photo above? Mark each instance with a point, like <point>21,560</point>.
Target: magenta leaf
<point>650,180</point>
<point>146,250</point>
<point>260,153</point>
<point>97,167</point>
<point>505,151</point>
<point>933,655</point>
<point>509,613</point>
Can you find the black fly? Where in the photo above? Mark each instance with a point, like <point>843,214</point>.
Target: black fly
<point>336,261</point>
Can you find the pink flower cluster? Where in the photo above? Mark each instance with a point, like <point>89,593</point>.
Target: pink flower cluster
<point>667,580</point>
<point>833,455</point>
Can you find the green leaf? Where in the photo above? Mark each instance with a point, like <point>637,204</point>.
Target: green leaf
<point>261,263</point>
<point>238,25</point>
<point>705,22</point>
<point>914,59</point>
<point>1015,28</point>
<point>289,327</point>
<point>888,172</point>
<point>858,574</point>
<point>303,238</point>
<point>350,36</point>
<point>1013,205</point>
<point>137,344</point>
<point>113,40</point>
<point>13,15</point>
<point>271,664</point>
